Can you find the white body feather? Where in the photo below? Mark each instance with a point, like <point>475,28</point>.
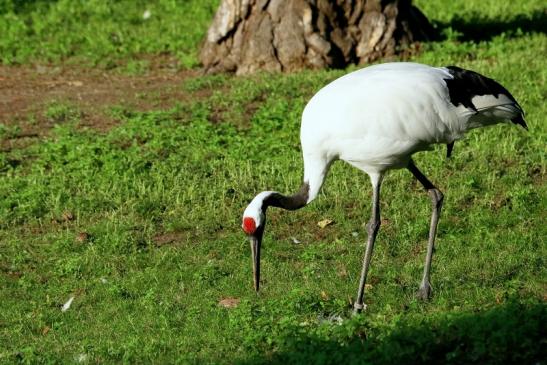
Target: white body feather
<point>377,119</point>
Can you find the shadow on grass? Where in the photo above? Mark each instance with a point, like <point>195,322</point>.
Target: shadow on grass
<point>22,6</point>
<point>480,28</point>
<point>512,333</point>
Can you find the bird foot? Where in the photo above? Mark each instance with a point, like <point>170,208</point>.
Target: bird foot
<point>358,308</point>
<point>424,293</point>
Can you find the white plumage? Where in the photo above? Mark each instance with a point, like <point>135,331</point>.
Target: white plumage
<point>375,119</point>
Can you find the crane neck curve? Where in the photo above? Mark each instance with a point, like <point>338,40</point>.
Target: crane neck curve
<point>292,202</point>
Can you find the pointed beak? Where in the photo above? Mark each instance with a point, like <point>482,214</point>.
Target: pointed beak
<point>520,121</point>
<point>255,253</point>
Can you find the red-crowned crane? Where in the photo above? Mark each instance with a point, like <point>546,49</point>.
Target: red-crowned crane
<point>375,119</point>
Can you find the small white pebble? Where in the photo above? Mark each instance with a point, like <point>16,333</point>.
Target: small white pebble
<point>67,304</point>
<point>81,358</point>
<point>295,240</point>
<point>147,14</point>
<point>354,234</point>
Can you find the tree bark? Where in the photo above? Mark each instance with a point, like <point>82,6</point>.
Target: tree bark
<point>288,35</point>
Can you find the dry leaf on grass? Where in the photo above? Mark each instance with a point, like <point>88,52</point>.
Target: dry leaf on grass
<point>342,271</point>
<point>229,302</point>
<point>68,216</point>
<point>325,222</point>
<point>82,237</point>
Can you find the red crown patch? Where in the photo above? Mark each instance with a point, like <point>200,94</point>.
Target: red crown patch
<point>249,225</point>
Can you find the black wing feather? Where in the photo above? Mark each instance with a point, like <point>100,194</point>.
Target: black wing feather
<point>465,85</point>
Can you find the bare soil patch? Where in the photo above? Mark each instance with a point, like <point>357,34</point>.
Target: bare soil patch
<point>170,238</point>
<point>27,91</point>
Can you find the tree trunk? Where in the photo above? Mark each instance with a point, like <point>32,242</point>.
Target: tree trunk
<point>288,35</point>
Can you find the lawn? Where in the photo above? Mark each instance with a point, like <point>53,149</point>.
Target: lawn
<point>133,209</point>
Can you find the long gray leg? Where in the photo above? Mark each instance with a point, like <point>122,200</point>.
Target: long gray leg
<point>437,202</point>
<point>372,229</point>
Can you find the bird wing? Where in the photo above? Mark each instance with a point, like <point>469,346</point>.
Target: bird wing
<point>485,100</point>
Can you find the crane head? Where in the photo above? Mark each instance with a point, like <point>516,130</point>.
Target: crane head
<point>254,232</point>
<point>253,223</point>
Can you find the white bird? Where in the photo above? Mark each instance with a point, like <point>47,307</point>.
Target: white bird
<point>375,119</point>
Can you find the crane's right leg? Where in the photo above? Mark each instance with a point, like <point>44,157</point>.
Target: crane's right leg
<point>372,229</point>
<point>437,203</point>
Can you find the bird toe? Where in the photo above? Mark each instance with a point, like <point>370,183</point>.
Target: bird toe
<point>424,293</point>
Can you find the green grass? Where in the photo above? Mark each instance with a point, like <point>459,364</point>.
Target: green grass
<point>160,198</point>
<point>106,34</point>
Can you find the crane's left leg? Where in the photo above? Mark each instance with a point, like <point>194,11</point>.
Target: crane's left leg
<point>372,229</point>
<point>437,202</point>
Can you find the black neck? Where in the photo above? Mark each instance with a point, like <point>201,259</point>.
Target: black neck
<point>292,202</point>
